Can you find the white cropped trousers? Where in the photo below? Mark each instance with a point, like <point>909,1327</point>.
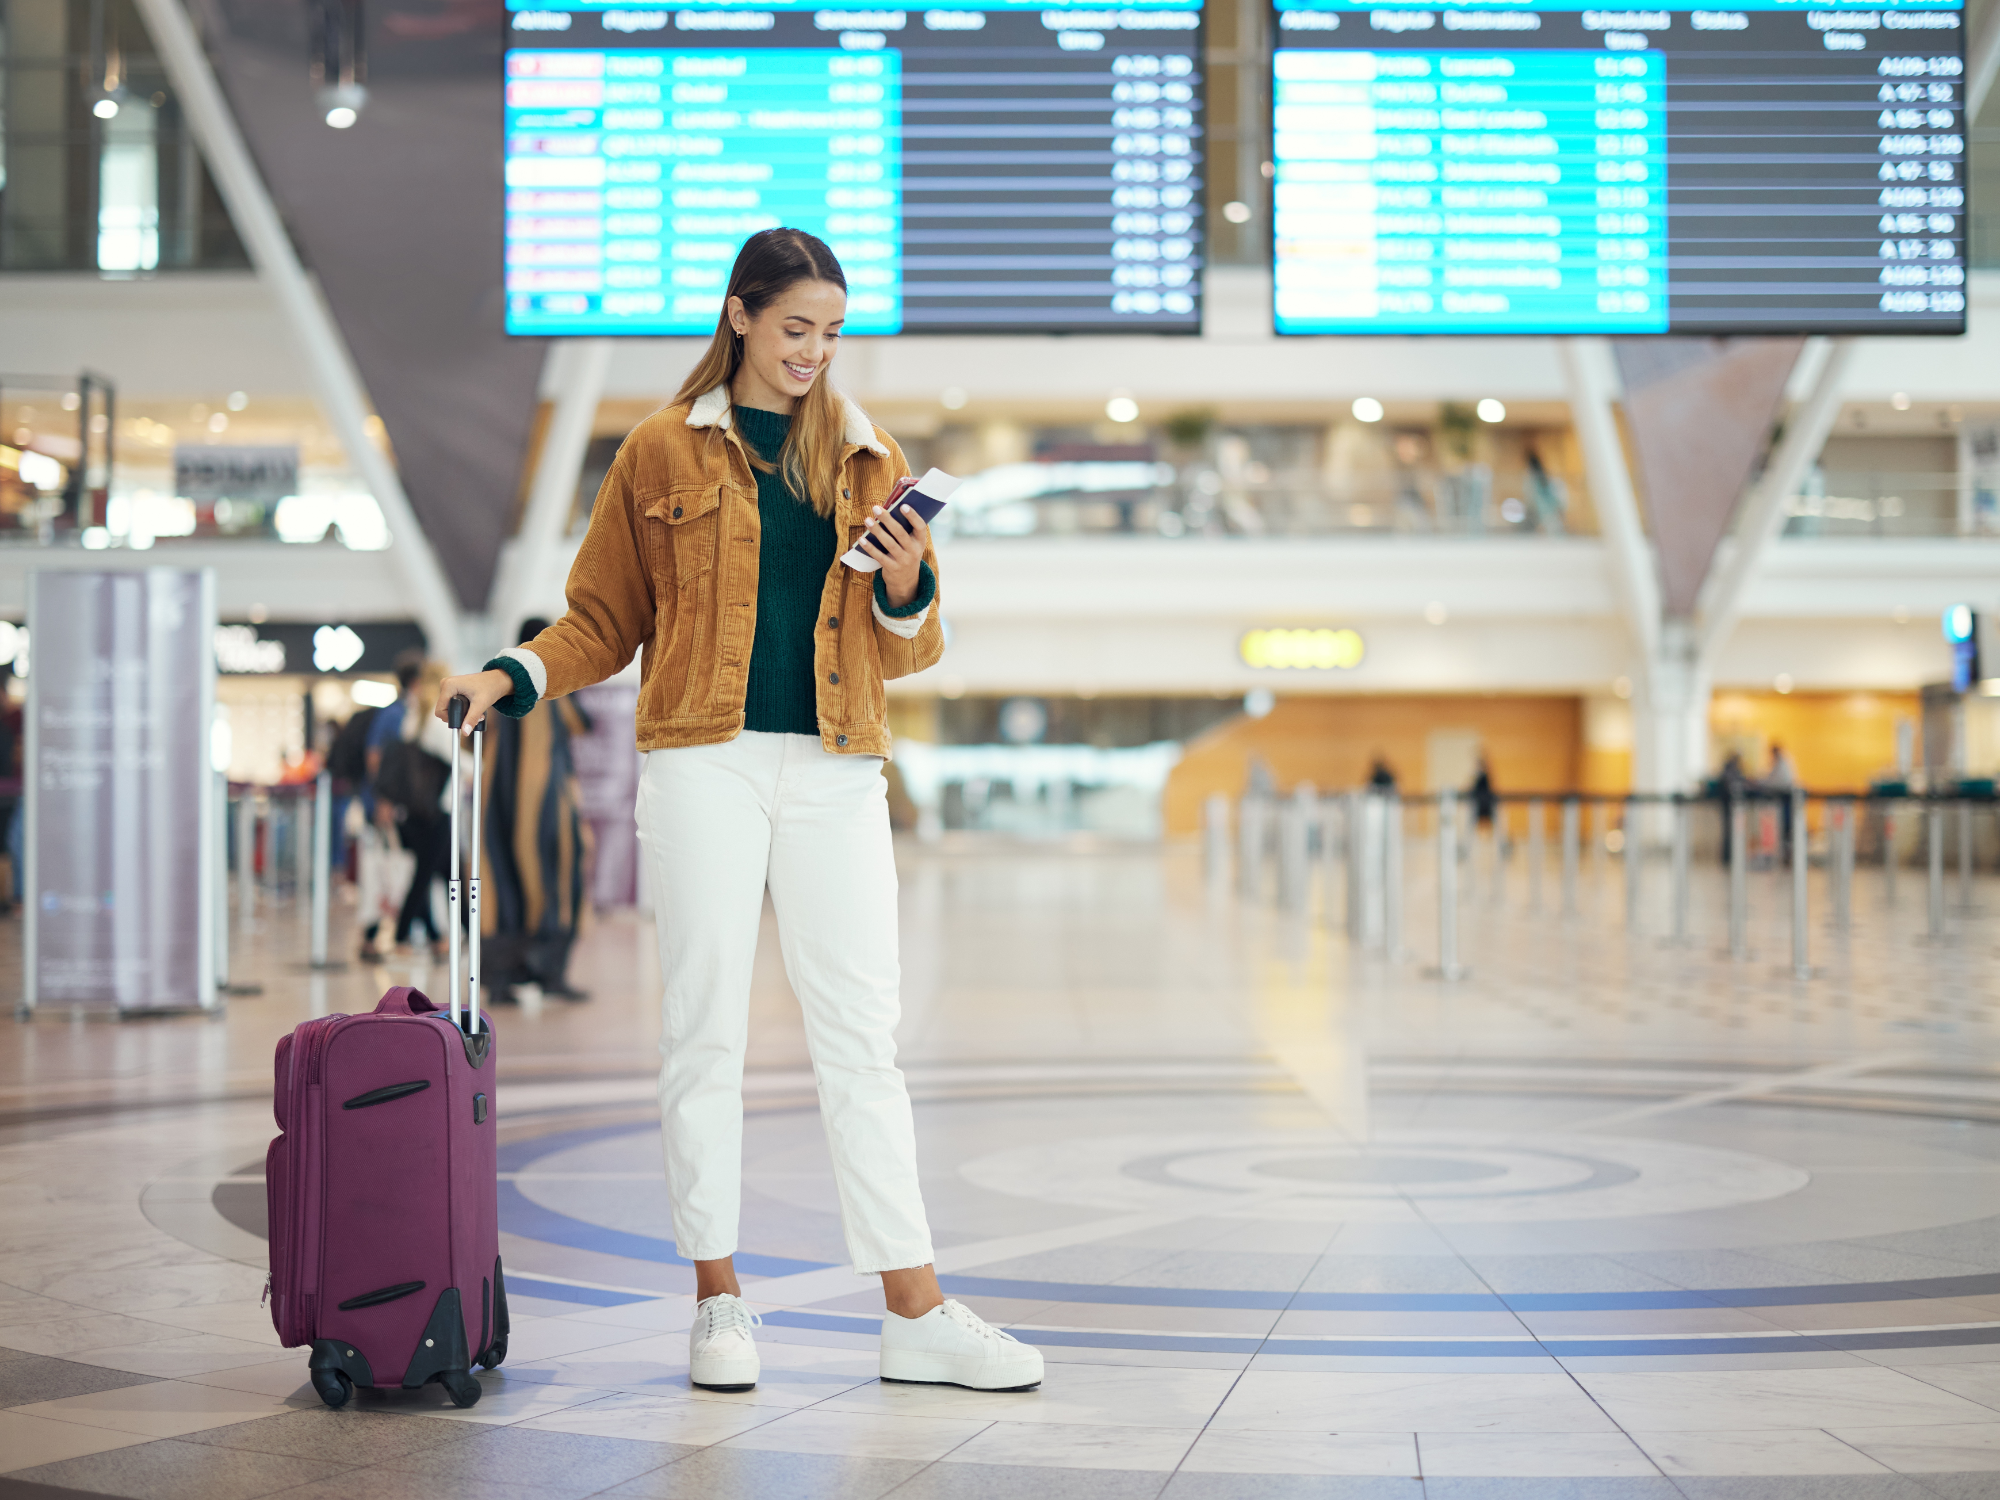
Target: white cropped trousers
<point>719,823</point>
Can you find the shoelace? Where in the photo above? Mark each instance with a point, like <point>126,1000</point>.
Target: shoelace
<point>966,1318</point>
<point>727,1314</point>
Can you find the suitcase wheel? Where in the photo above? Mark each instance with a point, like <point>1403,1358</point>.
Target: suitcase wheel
<point>460,1386</point>
<point>334,1388</point>
<point>497,1352</point>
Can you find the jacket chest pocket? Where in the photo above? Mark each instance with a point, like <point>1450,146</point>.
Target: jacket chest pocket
<point>681,529</point>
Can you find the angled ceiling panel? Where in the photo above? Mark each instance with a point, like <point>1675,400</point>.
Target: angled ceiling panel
<point>399,218</point>
<point>1699,414</point>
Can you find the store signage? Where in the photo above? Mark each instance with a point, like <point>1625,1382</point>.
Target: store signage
<point>369,647</point>
<point>120,795</point>
<point>211,471</point>
<point>1316,650</point>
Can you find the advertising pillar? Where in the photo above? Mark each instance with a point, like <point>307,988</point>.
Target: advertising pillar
<point>120,799</point>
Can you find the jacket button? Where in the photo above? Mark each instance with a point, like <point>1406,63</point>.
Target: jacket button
<point>833,677</point>
<point>833,622</point>
<point>840,739</point>
<point>677,512</point>
<point>845,495</point>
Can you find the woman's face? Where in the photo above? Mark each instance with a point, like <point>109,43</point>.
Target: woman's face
<point>788,344</point>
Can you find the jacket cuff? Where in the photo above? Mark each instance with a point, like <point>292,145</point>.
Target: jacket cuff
<point>919,602</point>
<point>525,693</point>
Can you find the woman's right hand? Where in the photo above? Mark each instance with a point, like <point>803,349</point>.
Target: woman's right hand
<point>481,689</point>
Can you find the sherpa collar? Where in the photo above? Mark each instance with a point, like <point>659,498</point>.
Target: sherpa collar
<point>712,410</point>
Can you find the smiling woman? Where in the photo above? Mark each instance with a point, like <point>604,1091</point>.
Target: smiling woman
<point>715,545</point>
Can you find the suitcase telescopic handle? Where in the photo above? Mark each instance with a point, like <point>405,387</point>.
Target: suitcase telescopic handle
<point>463,908</point>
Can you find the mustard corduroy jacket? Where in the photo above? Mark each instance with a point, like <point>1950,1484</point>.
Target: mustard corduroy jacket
<point>668,569</point>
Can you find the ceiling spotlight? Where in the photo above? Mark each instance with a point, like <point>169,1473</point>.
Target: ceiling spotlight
<point>105,109</point>
<point>1901,401</point>
<point>952,398</point>
<point>1366,409</point>
<point>1491,411</point>
<point>342,103</point>
<point>1436,613</point>
<point>1122,409</point>
<point>1236,213</point>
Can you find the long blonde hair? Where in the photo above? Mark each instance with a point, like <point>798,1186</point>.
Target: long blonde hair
<point>771,262</point>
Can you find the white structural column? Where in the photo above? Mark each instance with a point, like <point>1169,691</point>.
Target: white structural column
<point>1670,698</point>
<point>1762,514</point>
<point>527,581</point>
<point>1592,387</point>
<point>277,262</point>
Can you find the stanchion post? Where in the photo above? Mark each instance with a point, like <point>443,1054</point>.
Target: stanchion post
<point>322,864</point>
<point>1392,875</point>
<point>222,882</point>
<point>1634,865</point>
<point>1333,836</point>
<point>1739,892</point>
<point>1964,855</point>
<point>246,858</point>
<point>1294,847</point>
<point>1357,859</point>
<point>1215,839</point>
<point>1572,818</point>
<point>1448,966</point>
<point>302,852</point>
<point>1840,814</point>
<point>1537,855</point>
<point>1934,838</point>
<point>1682,850</point>
<point>1801,958</point>
<point>1889,854</point>
<point>1250,830</point>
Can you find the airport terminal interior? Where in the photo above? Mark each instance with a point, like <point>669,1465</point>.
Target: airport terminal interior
<point>1446,903</point>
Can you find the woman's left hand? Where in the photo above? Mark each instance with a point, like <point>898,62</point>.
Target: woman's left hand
<point>898,541</point>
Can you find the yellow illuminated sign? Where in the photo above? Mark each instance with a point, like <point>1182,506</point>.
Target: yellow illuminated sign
<point>1312,650</point>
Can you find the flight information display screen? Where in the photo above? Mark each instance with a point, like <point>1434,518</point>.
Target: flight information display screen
<point>996,167</point>
<point>1541,167</point>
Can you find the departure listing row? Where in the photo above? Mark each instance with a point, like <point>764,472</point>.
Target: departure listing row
<point>986,168</point>
<point>1546,168</point>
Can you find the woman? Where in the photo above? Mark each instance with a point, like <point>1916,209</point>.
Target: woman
<point>713,550</point>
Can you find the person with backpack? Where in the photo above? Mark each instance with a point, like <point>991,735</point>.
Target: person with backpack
<point>411,780</point>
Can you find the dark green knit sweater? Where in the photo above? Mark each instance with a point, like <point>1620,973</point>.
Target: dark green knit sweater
<point>796,549</point>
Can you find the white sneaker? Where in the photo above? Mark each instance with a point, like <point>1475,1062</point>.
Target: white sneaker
<point>722,1354</point>
<point>953,1345</point>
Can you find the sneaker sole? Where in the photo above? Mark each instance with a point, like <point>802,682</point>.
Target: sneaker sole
<point>999,1389</point>
<point>705,1385</point>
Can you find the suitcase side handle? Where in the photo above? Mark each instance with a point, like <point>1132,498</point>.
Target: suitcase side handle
<point>455,712</point>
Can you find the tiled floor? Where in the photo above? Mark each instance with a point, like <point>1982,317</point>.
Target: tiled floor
<point>1611,1219</point>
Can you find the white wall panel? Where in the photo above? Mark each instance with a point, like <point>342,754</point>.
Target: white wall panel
<point>324,582</point>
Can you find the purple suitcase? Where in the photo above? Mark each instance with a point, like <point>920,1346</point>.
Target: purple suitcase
<point>383,1183</point>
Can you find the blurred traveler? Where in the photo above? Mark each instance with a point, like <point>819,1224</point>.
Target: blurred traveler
<point>1485,801</point>
<point>714,546</point>
<point>413,775</point>
<point>1380,777</point>
<point>13,805</point>
<point>532,880</point>
<point>1551,497</point>
<point>1781,779</point>
<point>383,869</point>
<point>1730,787</point>
<point>347,764</point>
